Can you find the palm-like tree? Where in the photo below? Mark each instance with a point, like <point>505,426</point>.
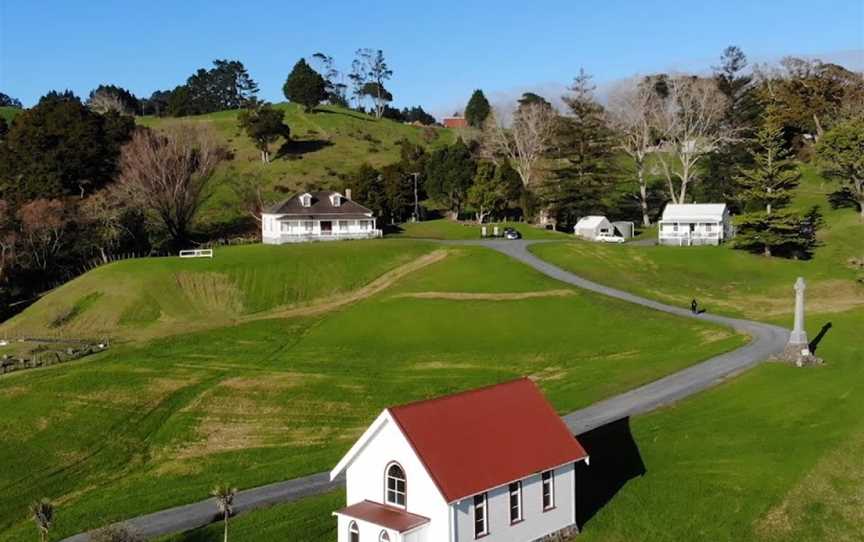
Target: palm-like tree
<point>224,495</point>
<point>43,514</point>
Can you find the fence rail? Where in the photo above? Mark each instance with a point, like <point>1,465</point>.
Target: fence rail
<point>197,253</point>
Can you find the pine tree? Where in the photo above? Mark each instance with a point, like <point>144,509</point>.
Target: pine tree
<point>477,109</point>
<point>767,184</point>
<point>305,86</point>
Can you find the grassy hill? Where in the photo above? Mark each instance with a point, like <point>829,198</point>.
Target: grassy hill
<point>152,424</point>
<point>159,296</point>
<point>9,113</point>
<point>324,144</point>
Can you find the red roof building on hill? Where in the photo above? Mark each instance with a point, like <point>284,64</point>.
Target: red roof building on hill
<point>495,462</point>
<point>454,122</point>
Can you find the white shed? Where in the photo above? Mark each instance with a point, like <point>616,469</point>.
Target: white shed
<point>590,227</point>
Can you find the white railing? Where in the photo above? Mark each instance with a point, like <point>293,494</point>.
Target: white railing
<point>197,253</point>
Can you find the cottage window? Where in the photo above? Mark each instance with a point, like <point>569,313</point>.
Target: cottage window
<point>548,479</point>
<point>353,532</point>
<point>481,517</point>
<point>515,502</point>
<point>364,225</point>
<point>306,200</point>
<point>343,225</point>
<point>383,537</point>
<point>308,225</point>
<point>395,485</point>
<point>285,227</point>
<point>709,228</point>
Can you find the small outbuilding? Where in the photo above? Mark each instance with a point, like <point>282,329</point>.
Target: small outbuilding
<point>695,224</point>
<point>592,227</point>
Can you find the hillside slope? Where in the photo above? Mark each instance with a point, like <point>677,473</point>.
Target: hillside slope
<point>164,296</point>
<point>325,144</point>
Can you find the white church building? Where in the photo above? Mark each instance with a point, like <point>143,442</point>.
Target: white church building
<point>317,216</point>
<point>495,463</point>
<point>695,224</point>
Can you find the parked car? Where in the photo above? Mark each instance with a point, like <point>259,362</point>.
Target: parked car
<point>609,238</point>
<point>510,233</point>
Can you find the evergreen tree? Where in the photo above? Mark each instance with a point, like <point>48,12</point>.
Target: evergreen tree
<point>449,174</point>
<point>766,185</point>
<point>477,110</point>
<point>841,152</point>
<point>8,101</point>
<point>585,145</point>
<point>264,126</point>
<point>305,86</point>
<point>487,194</point>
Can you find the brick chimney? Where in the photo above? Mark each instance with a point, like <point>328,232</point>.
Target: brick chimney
<point>348,194</point>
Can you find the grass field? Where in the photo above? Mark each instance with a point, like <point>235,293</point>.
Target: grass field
<point>9,113</point>
<point>154,424</point>
<point>157,296</point>
<point>325,144</point>
<point>448,229</point>
<point>732,281</point>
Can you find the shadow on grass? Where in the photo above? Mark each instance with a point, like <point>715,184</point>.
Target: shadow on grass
<point>351,114</point>
<point>297,148</point>
<point>814,344</point>
<point>614,458</point>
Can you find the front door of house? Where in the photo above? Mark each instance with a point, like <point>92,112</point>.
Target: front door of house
<point>326,227</point>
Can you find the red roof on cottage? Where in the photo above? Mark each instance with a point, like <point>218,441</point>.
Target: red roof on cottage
<point>454,122</point>
<point>384,516</point>
<point>480,439</point>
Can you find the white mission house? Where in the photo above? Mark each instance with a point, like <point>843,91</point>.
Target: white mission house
<point>317,216</point>
<point>695,224</point>
<point>495,463</point>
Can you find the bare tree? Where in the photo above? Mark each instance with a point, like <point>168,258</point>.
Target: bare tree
<point>690,121</point>
<point>525,143</point>
<point>167,174</point>
<point>248,188</point>
<point>103,102</point>
<point>631,110</point>
<point>43,229</point>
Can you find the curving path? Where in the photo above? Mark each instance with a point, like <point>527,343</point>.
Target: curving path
<point>767,341</point>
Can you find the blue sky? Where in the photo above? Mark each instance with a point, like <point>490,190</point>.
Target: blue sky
<point>440,51</point>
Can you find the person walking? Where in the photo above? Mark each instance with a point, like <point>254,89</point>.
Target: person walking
<point>694,307</point>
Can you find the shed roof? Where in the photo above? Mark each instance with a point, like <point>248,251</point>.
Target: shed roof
<point>384,516</point>
<point>480,439</point>
<point>590,221</point>
<point>691,211</point>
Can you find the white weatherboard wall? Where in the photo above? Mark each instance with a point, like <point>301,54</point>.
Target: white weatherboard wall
<point>275,231</point>
<point>365,481</point>
<point>370,531</point>
<point>536,522</point>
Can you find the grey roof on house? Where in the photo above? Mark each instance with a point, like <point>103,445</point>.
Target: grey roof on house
<point>321,206</point>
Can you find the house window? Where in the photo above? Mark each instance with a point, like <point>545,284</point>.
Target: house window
<point>343,225</point>
<point>674,227</point>
<point>481,516</point>
<point>285,227</point>
<point>548,479</point>
<point>515,502</point>
<point>383,537</point>
<point>364,225</point>
<point>306,200</point>
<point>395,485</point>
<point>308,225</point>
<point>353,532</point>
<point>709,228</point>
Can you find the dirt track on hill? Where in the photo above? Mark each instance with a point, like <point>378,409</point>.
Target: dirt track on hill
<point>472,296</point>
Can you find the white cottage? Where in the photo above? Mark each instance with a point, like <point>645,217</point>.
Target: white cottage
<point>592,227</point>
<point>695,224</point>
<point>495,463</point>
<point>317,216</point>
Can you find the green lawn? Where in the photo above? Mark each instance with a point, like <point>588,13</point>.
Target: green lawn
<point>150,425</point>
<point>449,229</point>
<point>732,281</point>
<point>159,296</point>
<point>328,143</point>
<point>9,113</point>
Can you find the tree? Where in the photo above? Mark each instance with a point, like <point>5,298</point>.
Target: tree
<point>264,127</point>
<point>227,85</point>
<point>336,88</point>
<point>780,233</point>
<point>43,230</point>
<point>106,98</point>
<point>449,174</point>
<point>583,148</point>
<point>8,101</point>
<point>42,513</point>
<point>4,129</point>
<point>487,194</point>
<point>690,120</point>
<point>841,152</point>
<point>60,148</point>
<point>167,174</point>
<point>224,496</point>
<point>631,109</point>
<point>305,86</point>
<point>532,98</point>
<point>372,70</point>
<point>248,188</point>
<point>767,184</point>
<point>525,144</point>
<point>477,110</point>
<point>156,104</point>
<point>8,238</point>
<point>416,114</point>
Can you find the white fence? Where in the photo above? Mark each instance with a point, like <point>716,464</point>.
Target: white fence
<point>197,253</point>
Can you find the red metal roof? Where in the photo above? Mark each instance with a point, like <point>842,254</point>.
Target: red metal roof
<point>455,122</point>
<point>384,516</point>
<point>480,439</point>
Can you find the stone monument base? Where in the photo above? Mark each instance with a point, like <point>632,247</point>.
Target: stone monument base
<point>799,355</point>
